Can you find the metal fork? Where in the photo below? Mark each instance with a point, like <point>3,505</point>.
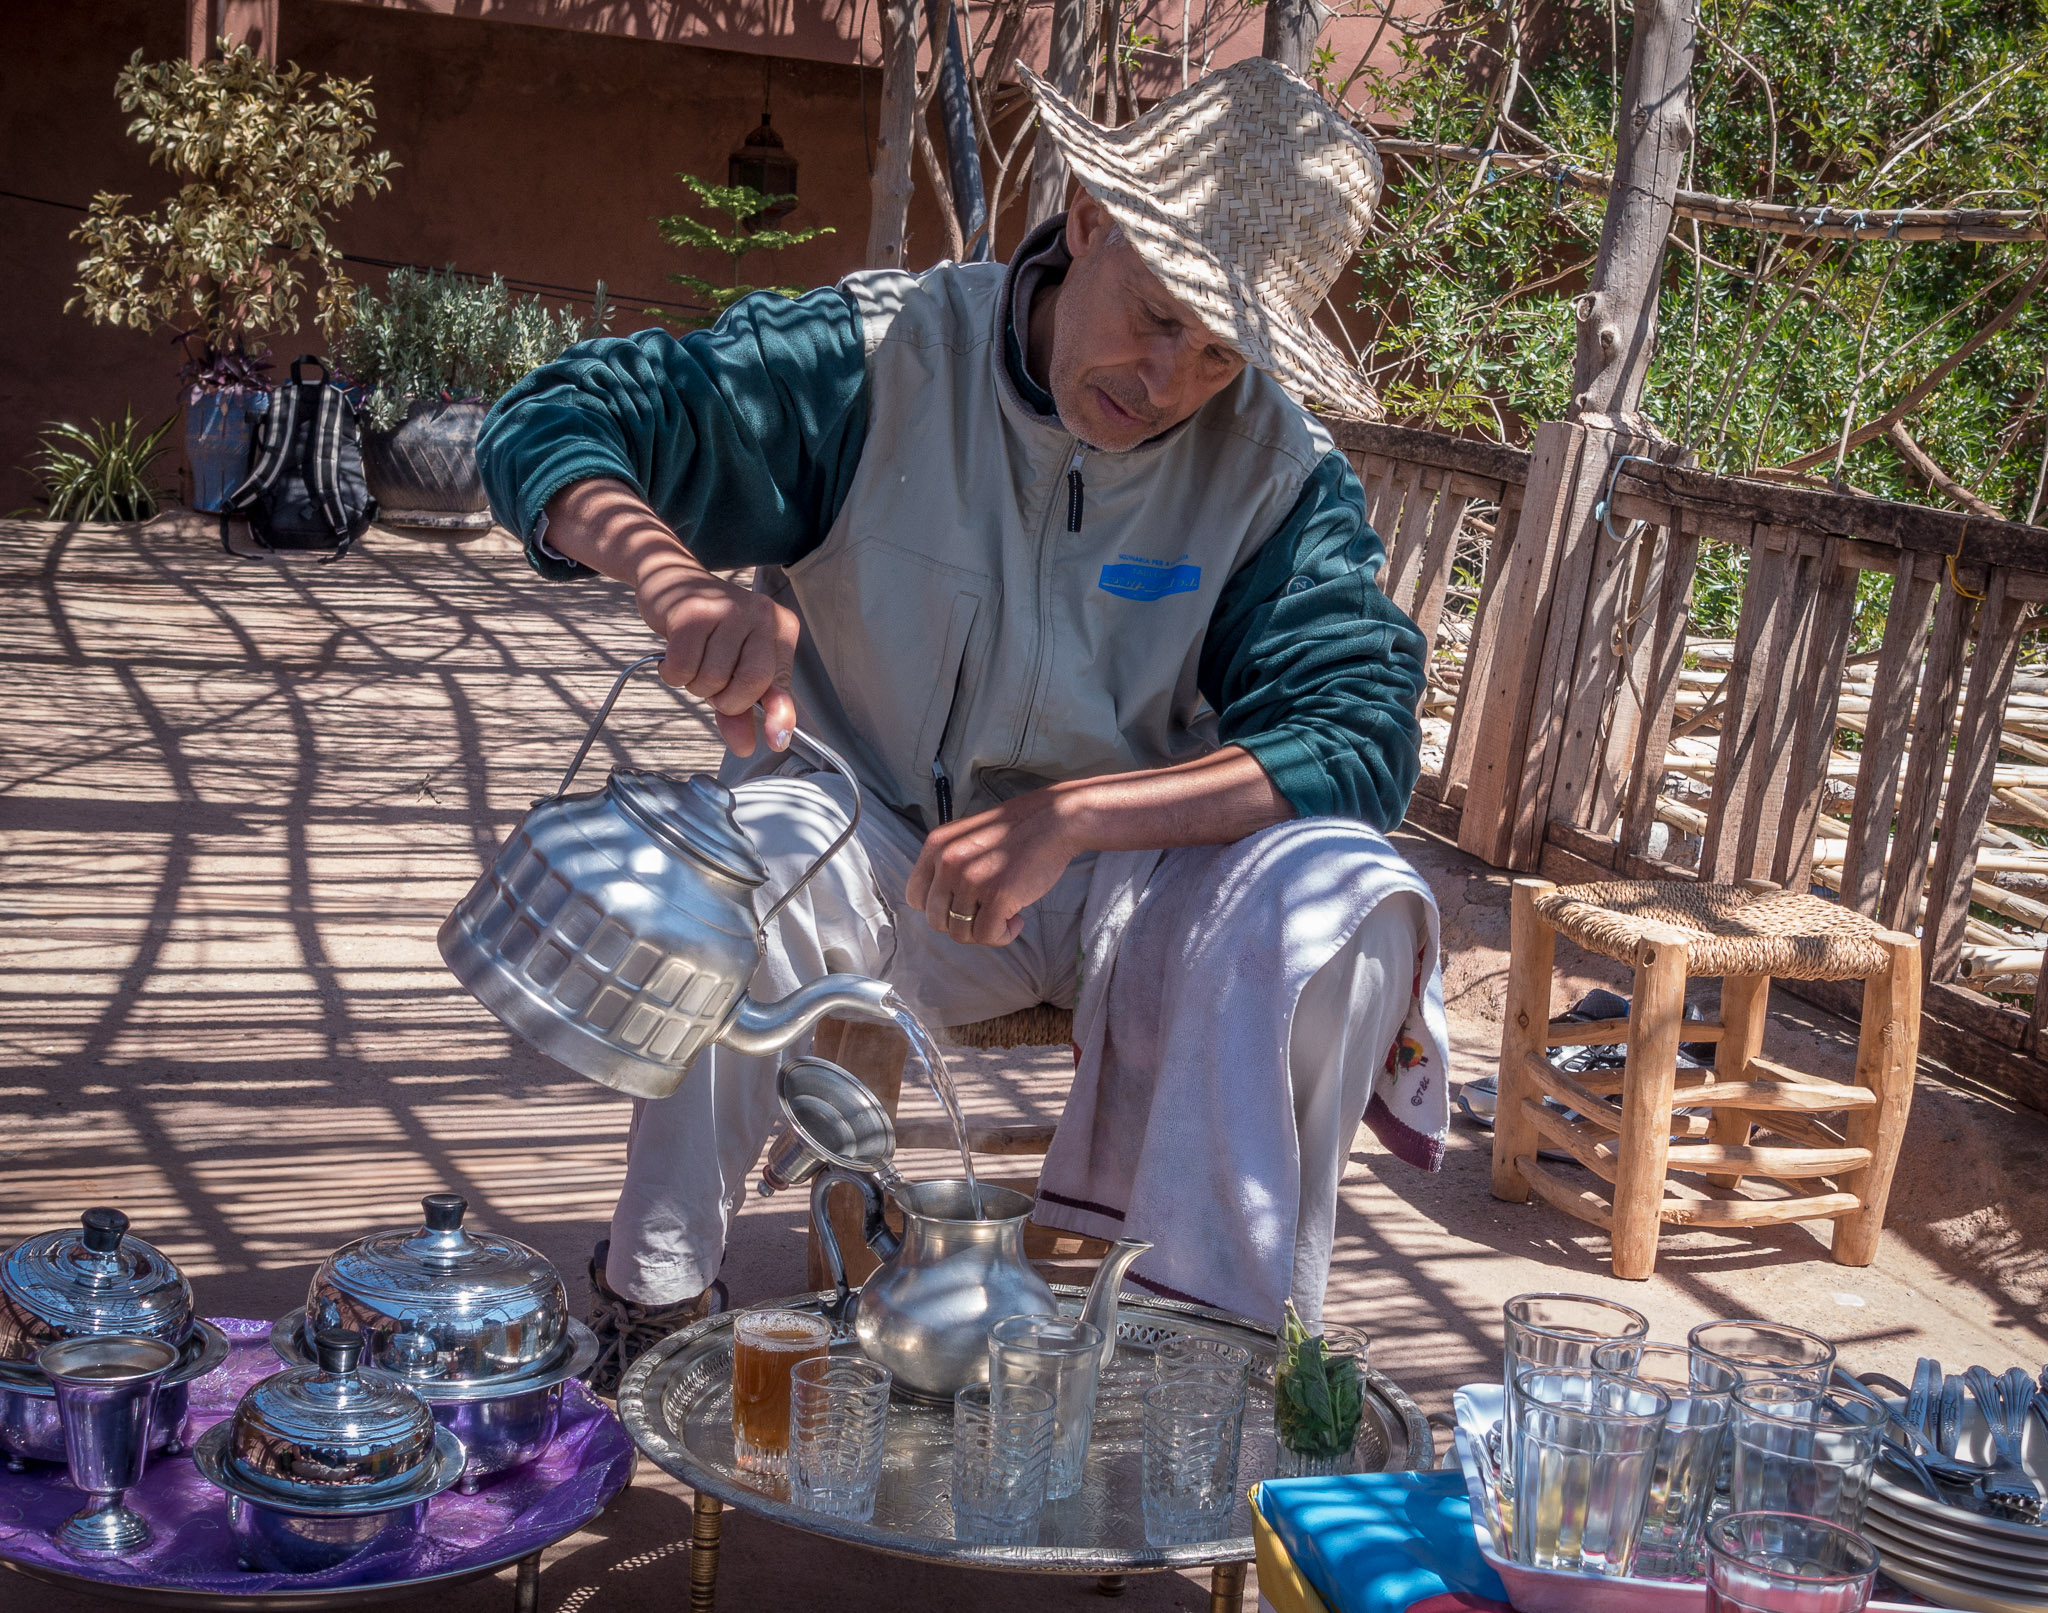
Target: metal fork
<point>1948,1414</point>
<point>2005,1402</point>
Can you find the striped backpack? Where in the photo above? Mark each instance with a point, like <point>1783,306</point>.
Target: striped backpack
<point>305,488</point>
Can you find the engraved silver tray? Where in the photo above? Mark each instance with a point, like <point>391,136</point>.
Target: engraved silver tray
<point>676,1402</point>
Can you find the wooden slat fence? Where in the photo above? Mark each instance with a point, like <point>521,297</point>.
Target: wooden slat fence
<point>1569,727</point>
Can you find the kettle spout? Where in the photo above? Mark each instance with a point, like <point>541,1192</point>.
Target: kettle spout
<point>769,1027</point>
<point>1099,1308</point>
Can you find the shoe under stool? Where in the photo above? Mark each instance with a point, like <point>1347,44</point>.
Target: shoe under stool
<point>1620,1124</point>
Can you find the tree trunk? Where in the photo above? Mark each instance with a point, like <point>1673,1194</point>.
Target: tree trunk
<point>896,139</point>
<point>1292,28</point>
<point>1070,70</point>
<point>1618,316</point>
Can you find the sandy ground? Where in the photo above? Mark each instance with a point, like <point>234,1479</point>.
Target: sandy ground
<point>237,798</point>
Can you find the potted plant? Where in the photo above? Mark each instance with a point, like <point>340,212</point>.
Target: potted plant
<point>102,472</point>
<point>432,354</point>
<point>268,157</point>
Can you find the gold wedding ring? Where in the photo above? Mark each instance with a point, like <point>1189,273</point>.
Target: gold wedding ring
<point>959,918</point>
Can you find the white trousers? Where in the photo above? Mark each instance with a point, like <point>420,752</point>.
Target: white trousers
<point>690,1158</point>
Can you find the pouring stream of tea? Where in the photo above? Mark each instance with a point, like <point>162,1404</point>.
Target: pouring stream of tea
<point>941,1082</point>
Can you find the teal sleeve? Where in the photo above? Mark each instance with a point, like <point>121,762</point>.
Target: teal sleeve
<point>743,437</point>
<point>1315,671</point>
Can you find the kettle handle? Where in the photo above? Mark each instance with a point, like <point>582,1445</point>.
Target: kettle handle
<point>875,1232</point>
<point>817,747</point>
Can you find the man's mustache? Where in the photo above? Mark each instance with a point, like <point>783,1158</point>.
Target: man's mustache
<point>1127,392</point>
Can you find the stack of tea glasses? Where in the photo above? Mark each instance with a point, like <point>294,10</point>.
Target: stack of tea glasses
<point>1615,1450</point>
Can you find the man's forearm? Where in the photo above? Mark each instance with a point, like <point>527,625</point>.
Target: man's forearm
<point>608,527</point>
<point>1212,801</point>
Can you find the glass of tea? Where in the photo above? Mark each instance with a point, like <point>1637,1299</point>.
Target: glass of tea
<point>765,1345</point>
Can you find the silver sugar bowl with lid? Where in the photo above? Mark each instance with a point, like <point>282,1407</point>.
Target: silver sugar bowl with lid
<point>89,1281</point>
<point>323,1463</point>
<point>476,1324</point>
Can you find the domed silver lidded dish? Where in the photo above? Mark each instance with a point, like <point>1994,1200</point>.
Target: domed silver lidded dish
<point>90,1281</point>
<point>476,1324</point>
<point>324,1462</point>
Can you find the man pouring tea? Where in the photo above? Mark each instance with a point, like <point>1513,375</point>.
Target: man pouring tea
<point>1052,555</point>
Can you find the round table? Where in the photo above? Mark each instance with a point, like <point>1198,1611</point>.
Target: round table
<point>676,1403</point>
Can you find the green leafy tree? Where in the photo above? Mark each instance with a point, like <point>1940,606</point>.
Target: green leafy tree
<point>1771,349</point>
<point>730,230</point>
<point>268,157</point>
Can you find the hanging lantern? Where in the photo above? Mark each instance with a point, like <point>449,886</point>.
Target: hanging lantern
<point>761,163</point>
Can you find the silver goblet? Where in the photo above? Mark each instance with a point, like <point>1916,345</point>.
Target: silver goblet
<point>106,1393</point>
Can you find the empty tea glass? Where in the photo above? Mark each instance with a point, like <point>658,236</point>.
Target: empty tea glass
<point>1585,1449</point>
<point>838,1420</point>
<point>1688,1450</point>
<point>1758,1350</point>
<point>1186,1355</point>
<point>1777,1562</point>
<point>1192,1427</point>
<point>1002,1456</point>
<point>1556,1332</point>
<point>1062,1356</point>
<point>1804,1448</point>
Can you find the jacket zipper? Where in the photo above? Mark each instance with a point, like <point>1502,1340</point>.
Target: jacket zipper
<point>1045,564</point>
<point>942,787</point>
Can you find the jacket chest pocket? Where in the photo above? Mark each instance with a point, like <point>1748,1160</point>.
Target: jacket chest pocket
<point>944,712</point>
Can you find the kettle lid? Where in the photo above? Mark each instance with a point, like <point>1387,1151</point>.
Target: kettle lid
<point>692,816</point>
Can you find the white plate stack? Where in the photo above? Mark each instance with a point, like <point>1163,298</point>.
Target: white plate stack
<point>1959,1558</point>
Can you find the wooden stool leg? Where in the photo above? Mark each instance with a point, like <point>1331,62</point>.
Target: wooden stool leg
<point>706,1525</point>
<point>1887,1058</point>
<point>1745,1009</point>
<point>1656,1021</point>
<point>874,1054</point>
<point>1532,956</point>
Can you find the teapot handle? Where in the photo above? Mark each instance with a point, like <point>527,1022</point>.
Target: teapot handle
<point>875,1232</point>
<point>817,747</point>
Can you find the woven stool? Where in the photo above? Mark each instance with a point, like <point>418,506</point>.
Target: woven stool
<point>1745,934</point>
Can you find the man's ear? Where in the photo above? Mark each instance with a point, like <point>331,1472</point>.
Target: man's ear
<point>1088,224</point>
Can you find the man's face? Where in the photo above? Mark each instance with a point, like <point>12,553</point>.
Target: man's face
<point>1128,358</point>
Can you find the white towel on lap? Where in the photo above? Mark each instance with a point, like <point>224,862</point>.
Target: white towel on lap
<point>1181,1127</point>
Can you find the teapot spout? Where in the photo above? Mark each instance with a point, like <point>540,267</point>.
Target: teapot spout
<point>1099,1308</point>
<point>757,1027</point>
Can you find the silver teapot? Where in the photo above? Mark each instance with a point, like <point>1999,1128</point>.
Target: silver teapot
<point>616,931</point>
<point>957,1269</point>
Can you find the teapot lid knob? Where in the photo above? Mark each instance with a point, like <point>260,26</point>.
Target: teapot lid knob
<point>339,1349</point>
<point>444,1211</point>
<point>104,1229</point>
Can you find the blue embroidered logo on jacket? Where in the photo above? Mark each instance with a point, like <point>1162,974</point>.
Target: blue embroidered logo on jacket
<point>1132,577</point>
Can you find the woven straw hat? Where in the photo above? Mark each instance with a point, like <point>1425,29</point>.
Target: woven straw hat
<point>1247,196</point>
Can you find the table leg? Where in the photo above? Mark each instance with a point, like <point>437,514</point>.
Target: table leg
<point>704,1531</point>
<point>1110,1585</point>
<point>1226,1588</point>
<point>526,1585</point>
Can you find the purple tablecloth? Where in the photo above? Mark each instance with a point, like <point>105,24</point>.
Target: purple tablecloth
<point>529,1508</point>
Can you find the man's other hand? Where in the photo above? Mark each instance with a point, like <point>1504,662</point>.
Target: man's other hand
<point>974,878</point>
<point>727,645</point>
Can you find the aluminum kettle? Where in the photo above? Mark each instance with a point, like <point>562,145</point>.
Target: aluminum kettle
<point>615,931</point>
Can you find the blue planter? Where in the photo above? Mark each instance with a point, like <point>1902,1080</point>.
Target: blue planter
<point>220,430</point>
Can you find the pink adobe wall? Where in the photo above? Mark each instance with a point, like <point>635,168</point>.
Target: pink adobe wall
<point>540,153</point>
